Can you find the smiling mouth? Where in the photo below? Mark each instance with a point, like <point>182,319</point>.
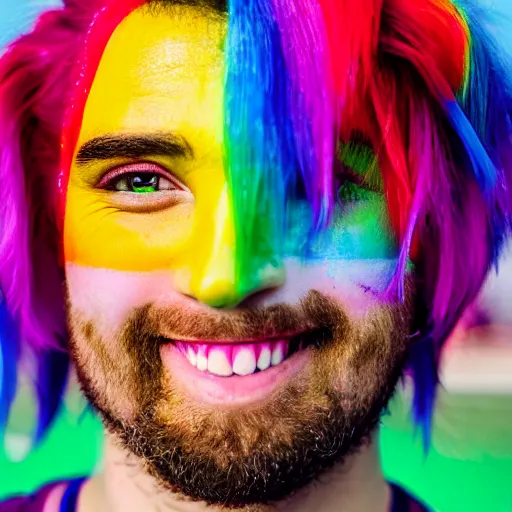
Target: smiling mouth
<point>243,359</point>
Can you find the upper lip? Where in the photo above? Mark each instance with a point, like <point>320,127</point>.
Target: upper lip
<point>235,341</point>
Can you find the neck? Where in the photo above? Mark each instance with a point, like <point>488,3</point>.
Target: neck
<point>123,486</point>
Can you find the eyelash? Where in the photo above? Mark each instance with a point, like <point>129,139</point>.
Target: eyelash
<point>111,177</point>
<point>356,186</point>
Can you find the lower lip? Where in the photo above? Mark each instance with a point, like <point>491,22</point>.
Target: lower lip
<point>230,391</point>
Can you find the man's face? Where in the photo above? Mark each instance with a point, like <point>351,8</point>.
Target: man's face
<point>240,404</point>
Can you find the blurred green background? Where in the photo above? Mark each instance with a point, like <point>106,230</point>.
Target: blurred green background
<point>468,469</point>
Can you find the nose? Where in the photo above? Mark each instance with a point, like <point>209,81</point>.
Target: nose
<point>211,273</point>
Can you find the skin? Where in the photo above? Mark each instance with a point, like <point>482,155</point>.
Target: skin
<point>188,232</point>
<point>163,76</point>
<point>123,487</point>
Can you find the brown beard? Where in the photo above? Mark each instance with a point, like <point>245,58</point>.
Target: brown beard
<point>251,455</point>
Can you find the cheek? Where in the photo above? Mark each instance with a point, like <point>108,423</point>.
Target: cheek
<point>353,261</point>
<point>359,231</point>
<point>99,235</point>
<point>109,297</point>
<point>357,285</point>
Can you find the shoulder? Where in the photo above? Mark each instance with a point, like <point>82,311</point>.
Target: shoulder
<point>402,501</point>
<point>46,499</point>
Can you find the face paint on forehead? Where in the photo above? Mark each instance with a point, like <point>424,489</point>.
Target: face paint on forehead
<point>149,116</point>
<point>212,219</point>
<point>100,30</point>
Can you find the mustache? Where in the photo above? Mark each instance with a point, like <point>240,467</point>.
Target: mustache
<point>150,326</point>
<point>314,312</point>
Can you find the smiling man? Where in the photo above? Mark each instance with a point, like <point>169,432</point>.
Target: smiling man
<point>244,223</point>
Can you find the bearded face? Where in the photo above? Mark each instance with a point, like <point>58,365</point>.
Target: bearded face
<point>230,394</point>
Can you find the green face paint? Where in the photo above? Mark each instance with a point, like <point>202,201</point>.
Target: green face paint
<point>359,229</point>
<point>359,157</point>
<point>350,192</point>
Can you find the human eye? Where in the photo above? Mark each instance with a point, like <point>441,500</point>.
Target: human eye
<point>142,178</point>
<point>142,187</point>
<point>351,192</point>
<point>358,177</point>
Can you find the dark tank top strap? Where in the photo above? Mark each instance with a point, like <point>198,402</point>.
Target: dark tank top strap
<point>401,501</point>
<point>70,498</point>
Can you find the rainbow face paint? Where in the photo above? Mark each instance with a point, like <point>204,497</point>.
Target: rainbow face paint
<point>148,189</point>
<point>418,96</point>
<point>282,141</point>
<point>220,177</point>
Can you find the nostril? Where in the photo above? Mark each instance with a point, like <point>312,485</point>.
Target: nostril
<point>217,302</point>
<point>217,289</point>
<point>189,296</point>
<point>223,303</point>
<point>258,297</point>
<point>253,300</point>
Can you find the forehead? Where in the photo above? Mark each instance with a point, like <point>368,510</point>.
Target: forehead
<point>159,71</point>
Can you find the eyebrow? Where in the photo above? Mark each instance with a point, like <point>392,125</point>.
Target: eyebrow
<point>108,147</point>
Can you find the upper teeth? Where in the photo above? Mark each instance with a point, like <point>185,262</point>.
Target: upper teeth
<point>244,360</point>
<point>218,363</point>
<point>265,357</point>
<point>202,358</point>
<point>224,360</point>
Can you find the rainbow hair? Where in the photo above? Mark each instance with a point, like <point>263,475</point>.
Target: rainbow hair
<point>422,82</point>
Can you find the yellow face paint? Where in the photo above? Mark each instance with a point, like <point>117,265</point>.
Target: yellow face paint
<point>160,79</point>
<point>147,189</point>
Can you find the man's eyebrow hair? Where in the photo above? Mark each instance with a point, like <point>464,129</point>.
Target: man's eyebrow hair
<point>134,146</point>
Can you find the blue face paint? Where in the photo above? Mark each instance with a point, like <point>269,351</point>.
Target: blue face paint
<point>359,230</point>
